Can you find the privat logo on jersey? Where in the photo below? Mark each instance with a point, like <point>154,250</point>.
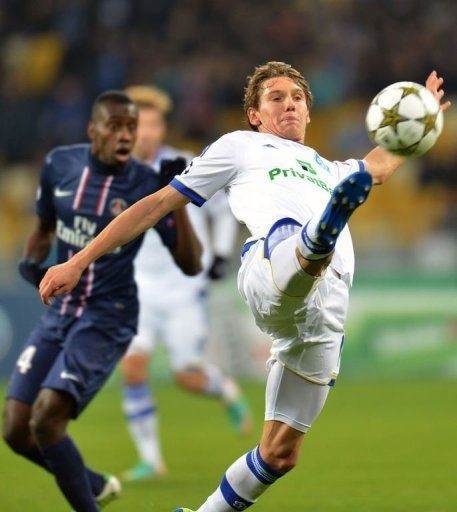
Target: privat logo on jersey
<point>308,174</point>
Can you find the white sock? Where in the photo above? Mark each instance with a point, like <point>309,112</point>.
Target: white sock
<point>307,242</point>
<point>243,483</point>
<point>219,385</point>
<point>141,413</point>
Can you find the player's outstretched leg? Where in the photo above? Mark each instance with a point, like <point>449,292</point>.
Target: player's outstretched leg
<point>51,412</point>
<point>17,434</point>
<point>209,380</point>
<point>290,398</point>
<point>319,236</point>
<point>228,391</point>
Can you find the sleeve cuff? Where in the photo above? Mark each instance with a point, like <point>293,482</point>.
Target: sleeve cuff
<point>361,165</point>
<point>191,194</point>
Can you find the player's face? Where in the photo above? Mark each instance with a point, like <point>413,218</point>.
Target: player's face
<point>113,133</point>
<point>151,133</point>
<point>282,110</point>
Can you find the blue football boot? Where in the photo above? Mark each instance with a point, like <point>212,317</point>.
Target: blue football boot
<point>347,196</point>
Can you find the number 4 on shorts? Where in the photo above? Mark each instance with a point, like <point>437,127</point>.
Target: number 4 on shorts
<point>24,363</point>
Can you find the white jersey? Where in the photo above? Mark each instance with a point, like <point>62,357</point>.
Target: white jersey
<point>267,178</point>
<point>154,265</point>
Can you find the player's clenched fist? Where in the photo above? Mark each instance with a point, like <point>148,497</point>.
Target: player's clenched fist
<point>58,280</point>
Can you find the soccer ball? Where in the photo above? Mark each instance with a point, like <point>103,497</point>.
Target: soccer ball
<point>405,119</point>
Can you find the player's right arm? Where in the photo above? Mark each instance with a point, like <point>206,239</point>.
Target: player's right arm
<point>39,243</point>
<point>188,250</point>
<point>126,227</point>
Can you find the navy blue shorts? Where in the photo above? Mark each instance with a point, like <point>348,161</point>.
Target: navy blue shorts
<point>75,355</point>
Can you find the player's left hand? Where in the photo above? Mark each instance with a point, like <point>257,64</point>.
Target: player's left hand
<point>59,279</point>
<point>218,269</point>
<point>433,84</point>
<point>169,169</point>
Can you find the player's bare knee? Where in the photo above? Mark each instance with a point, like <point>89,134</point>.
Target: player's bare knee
<point>15,438</point>
<point>192,380</point>
<point>281,458</point>
<point>15,429</point>
<point>50,415</point>
<point>44,427</point>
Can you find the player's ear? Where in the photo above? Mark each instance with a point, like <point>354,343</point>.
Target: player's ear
<point>91,130</point>
<point>253,116</point>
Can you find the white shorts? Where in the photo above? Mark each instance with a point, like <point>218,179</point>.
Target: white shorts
<point>291,399</point>
<point>182,326</point>
<point>307,331</point>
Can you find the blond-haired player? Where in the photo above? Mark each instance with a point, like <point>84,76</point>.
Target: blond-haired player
<point>173,306</point>
<point>297,266</point>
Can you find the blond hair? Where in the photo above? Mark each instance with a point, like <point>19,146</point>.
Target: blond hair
<point>148,96</point>
<point>272,69</point>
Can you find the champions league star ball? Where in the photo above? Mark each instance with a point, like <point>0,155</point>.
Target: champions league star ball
<point>405,119</point>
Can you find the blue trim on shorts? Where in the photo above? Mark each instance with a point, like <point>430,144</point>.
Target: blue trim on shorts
<point>281,222</point>
<point>248,245</point>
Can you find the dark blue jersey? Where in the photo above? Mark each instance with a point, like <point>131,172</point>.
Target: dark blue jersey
<point>82,196</point>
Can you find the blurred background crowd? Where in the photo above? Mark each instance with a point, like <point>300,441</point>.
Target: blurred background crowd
<point>56,57</point>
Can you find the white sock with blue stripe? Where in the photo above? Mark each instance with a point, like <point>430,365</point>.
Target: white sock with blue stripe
<point>141,413</point>
<point>308,244</point>
<point>243,483</point>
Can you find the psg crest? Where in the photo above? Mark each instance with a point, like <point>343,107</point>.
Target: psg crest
<point>117,206</point>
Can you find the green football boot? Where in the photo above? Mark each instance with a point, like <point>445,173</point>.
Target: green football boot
<point>142,472</point>
<point>240,416</point>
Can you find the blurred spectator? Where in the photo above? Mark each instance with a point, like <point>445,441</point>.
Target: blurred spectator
<point>65,114</point>
<point>201,50</point>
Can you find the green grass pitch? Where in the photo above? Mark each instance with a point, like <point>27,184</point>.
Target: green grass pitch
<point>377,447</point>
